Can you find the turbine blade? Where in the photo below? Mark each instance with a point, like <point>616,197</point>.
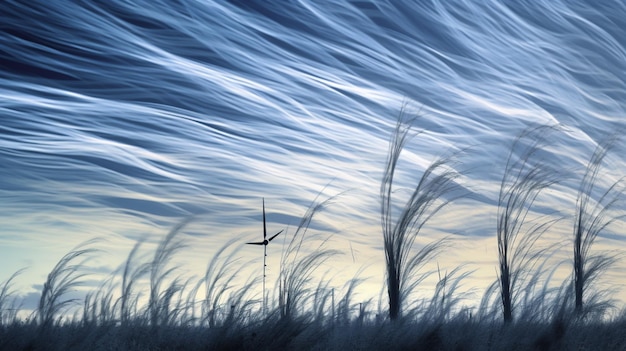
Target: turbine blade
<point>264,225</point>
<point>256,243</point>
<point>275,235</point>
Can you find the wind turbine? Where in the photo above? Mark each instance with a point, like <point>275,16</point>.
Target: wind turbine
<point>265,242</point>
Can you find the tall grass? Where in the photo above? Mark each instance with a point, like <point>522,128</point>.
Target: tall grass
<point>401,231</point>
<point>130,276</point>
<point>524,178</point>
<point>8,303</point>
<point>62,279</point>
<point>297,268</point>
<point>159,306</point>
<point>147,304</point>
<point>591,218</point>
<point>218,280</point>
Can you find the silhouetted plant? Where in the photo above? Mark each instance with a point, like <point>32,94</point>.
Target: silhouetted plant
<point>218,280</point>
<point>130,276</point>
<point>159,302</point>
<point>99,307</point>
<point>399,233</point>
<point>591,218</point>
<point>8,309</point>
<point>296,272</point>
<point>345,306</point>
<point>446,297</point>
<point>524,178</point>
<point>61,280</point>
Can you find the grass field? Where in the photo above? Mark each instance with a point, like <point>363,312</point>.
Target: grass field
<point>145,306</point>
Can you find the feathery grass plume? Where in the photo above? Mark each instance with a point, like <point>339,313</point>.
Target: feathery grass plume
<point>217,282</point>
<point>524,178</point>
<point>400,233</point>
<point>540,301</point>
<point>296,272</point>
<point>8,309</point>
<point>241,306</point>
<point>171,302</point>
<point>591,218</point>
<point>227,325</point>
<point>323,296</point>
<point>61,280</point>
<point>185,312</point>
<point>334,306</point>
<point>90,309</point>
<point>99,308</point>
<point>488,311</point>
<point>445,299</point>
<point>159,301</point>
<point>345,306</point>
<point>127,304</point>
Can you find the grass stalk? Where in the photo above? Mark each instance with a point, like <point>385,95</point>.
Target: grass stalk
<point>159,301</point>
<point>591,218</point>
<point>400,233</point>
<point>296,272</point>
<point>524,178</point>
<point>8,307</point>
<point>61,280</point>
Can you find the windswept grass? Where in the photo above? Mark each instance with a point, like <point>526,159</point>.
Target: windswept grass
<point>296,271</point>
<point>62,279</point>
<point>218,280</point>
<point>148,303</point>
<point>128,303</point>
<point>8,300</point>
<point>524,178</point>
<point>159,306</point>
<point>591,218</point>
<point>401,231</point>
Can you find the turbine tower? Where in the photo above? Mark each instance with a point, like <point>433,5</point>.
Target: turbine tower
<point>265,242</point>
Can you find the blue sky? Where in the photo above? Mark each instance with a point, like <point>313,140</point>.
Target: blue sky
<point>128,118</point>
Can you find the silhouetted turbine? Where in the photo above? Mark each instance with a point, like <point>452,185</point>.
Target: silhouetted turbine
<point>265,242</point>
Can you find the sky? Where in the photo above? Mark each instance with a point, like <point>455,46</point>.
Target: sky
<point>120,120</point>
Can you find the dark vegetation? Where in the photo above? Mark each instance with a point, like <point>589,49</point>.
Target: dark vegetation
<point>519,311</point>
